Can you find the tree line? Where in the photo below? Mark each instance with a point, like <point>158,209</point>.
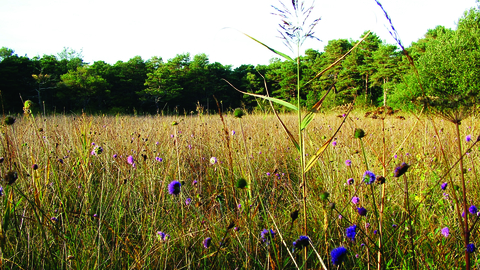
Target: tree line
<point>446,65</point>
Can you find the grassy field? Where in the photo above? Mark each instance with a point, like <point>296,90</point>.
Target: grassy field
<point>93,192</point>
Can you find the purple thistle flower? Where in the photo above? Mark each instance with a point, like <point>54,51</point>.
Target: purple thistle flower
<point>350,181</point>
<point>468,138</point>
<point>158,159</point>
<point>348,163</point>
<point>174,187</point>
<point>369,177</point>
<point>334,143</point>
<point>471,248</point>
<point>206,242</point>
<point>400,170</point>
<point>1,191</point>
<point>267,235</point>
<point>355,200</point>
<point>34,166</point>
<point>444,185</point>
<point>362,211</point>
<point>351,232</point>
<point>188,201</point>
<point>161,235</point>
<point>301,242</point>
<point>54,219</point>
<point>338,254</point>
<point>115,156</point>
<point>445,232</point>
<point>130,160</point>
<point>473,210</point>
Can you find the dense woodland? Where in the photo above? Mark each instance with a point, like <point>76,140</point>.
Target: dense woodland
<point>447,62</point>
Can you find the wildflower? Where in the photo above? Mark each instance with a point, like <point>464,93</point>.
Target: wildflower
<point>367,225</point>
<point>334,143</point>
<point>34,166</point>
<point>350,181</point>
<point>362,211</point>
<point>445,232</point>
<point>174,187</point>
<point>359,133</point>
<point>468,138</point>
<point>241,183</point>
<point>268,174</point>
<point>115,156</point>
<point>369,177</point>
<point>54,219</point>
<point>471,248</point>
<point>400,170</point>
<point>355,200</point>
<point>239,206</point>
<point>375,232</point>
<point>9,120</point>
<point>206,242</point>
<point>213,160</point>
<point>187,201</point>
<point>130,160</point>
<point>338,254</point>
<point>351,232</point>
<point>233,132</point>
<point>238,113</point>
<point>444,185</point>
<point>236,229</point>
<point>163,236</point>
<point>301,242</point>
<point>473,210</point>
<point>394,226</point>
<point>348,163</point>
<point>1,191</point>
<point>10,177</point>
<point>159,159</point>
<point>97,150</point>
<point>266,236</point>
<point>194,182</point>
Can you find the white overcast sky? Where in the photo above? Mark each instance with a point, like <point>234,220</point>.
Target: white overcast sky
<point>112,30</point>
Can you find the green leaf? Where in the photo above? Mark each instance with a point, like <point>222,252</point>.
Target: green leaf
<point>276,100</point>
<point>271,49</point>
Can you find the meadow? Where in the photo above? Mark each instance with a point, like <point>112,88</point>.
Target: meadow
<point>98,192</point>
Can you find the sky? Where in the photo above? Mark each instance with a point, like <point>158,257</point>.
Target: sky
<point>113,30</point>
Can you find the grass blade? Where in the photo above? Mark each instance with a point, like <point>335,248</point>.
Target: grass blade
<point>276,100</point>
<point>270,48</point>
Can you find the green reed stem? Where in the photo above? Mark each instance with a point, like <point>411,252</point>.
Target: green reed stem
<point>466,233</point>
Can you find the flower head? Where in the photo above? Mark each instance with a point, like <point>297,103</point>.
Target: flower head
<point>206,242</point>
<point>350,181</point>
<point>355,200</point>
<point>174,187</point>
<point>348,163</point>
<point>301,242</point>
<point>401,170</point>
<point>362,211</point>
<point>468,138</point>
<point>130,160</point>
<point>338,254</point>
<point>473,210</point>
<point>369,177</point>
<point>351,232</point>
<point>445,232</point>
<point>444,185</point>
<point>188,201</point>
<point>471,248</point>
<point>267,235</point>
<point>213,160</point>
